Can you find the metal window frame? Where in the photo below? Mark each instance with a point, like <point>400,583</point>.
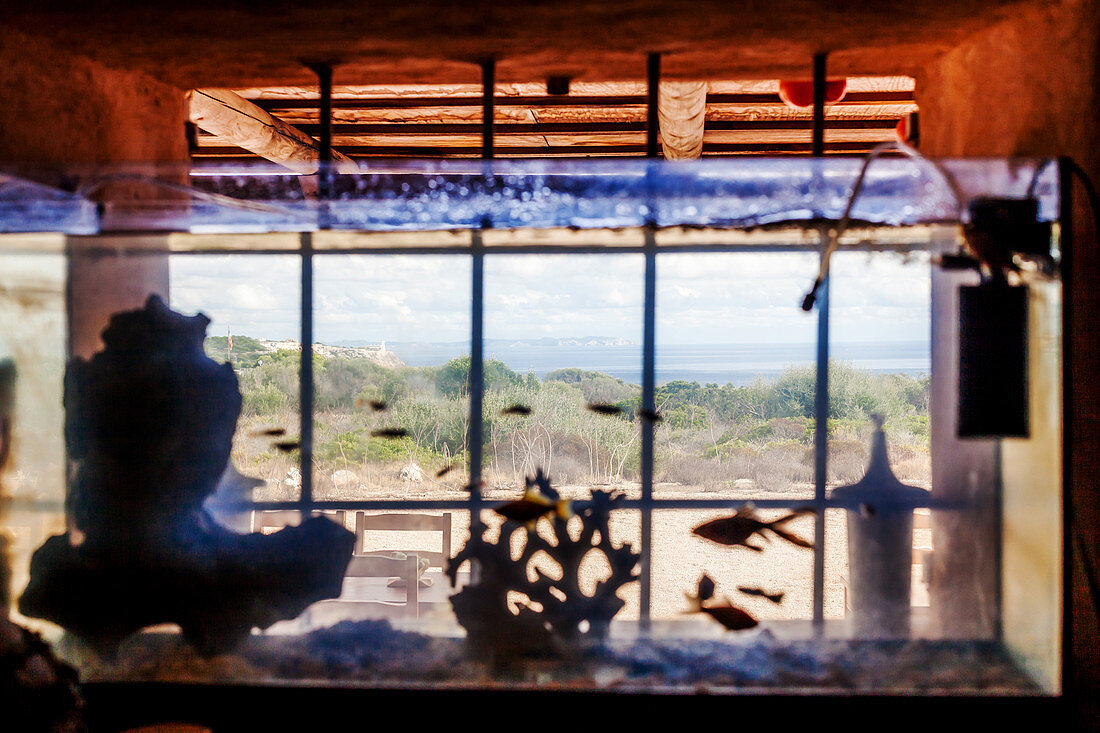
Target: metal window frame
<point>648,502</point>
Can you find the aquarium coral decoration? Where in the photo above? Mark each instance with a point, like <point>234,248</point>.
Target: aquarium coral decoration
<point>150,423</point>
<point>557,614</point>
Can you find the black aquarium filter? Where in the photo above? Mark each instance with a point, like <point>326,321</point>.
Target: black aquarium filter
<point>993,388</point>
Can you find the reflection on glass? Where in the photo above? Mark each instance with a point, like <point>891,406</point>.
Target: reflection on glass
<point>880,362</point>
<point>562,370</point>
<point>735,375</point>
<point>32,450</point>
<point>390,366</point>
<point>839,586</point>
<point>253,304</point>
<point>395,550</point>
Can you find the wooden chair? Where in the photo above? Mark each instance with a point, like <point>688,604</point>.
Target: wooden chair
<point>276,519</point>
<point>407,522</point>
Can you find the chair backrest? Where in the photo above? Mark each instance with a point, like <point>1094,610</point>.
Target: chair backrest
<point>276,519</point>
<point>406,522</point>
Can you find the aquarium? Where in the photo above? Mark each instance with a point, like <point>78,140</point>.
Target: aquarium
<point>548,425</point>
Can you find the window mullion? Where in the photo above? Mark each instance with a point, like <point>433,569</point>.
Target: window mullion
<point>476,376</point>
<point>647,425</point>
<point>305,377</point>
<point>821,450</point>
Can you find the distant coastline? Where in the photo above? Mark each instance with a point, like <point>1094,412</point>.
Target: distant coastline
<point>703,363</point>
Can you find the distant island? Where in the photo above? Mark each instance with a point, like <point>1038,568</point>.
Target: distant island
<point>492,344</point>
<point>249,352</point>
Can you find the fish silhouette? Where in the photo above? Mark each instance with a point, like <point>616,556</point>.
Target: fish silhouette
<point>773,597</point>
<point>725,613</point>
<point>445,470</point>
<point>389,433</point>
<point>286,446</point>
<point>268,433</point>
<point>604,409</point>
<point>742,525</point>
<point>650,416</point>
<point>516,410</point>
<point>376,405</point>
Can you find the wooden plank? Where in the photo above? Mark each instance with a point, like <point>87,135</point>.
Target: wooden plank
<point>236,155</point>
<point>570,100</point>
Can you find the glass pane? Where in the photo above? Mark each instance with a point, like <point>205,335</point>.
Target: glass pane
<point>744,577</point>
<point>390,411</point>
<point>856,602</point>
<point>624,528</point>
<point>253,303</point>
<point>562,370</point>
<point>32,450</point>
<point>880,363</point>
<point>391,549</point>
<point>735,375</point>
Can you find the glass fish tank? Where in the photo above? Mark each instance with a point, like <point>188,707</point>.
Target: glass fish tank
<point>730,427</point>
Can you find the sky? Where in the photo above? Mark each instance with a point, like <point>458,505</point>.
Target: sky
<point>715,298</point>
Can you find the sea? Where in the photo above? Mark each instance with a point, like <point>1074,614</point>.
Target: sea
<point>735,364</point>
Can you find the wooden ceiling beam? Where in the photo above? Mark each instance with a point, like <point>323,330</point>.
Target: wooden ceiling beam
<point>236,120</point>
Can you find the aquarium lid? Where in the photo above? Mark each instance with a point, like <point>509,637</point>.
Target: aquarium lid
<point>440,195</point>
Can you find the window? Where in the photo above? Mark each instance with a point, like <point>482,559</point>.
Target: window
<point>635,315</point>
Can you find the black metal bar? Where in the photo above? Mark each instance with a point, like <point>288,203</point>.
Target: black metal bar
<point>819,105</point>
<point>305,377</point>
<point>821,451</point>
<point>821,388</point>
<point>325,171</point>
<point>476,383</point>
<point>653,84</point>
<point>488,87</point>
<point>649,349</point>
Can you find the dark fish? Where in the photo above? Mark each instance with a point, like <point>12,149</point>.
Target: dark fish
<point>286,446</point>
<point>605,409</point>
<point>742,525</point>
<point>389,433</point>
<point>773,597</point>
<point>376,405</point>
<point>866,511</point>
<point>516,410</point>
<point>733,618</point>
<point>650,416</point>
<point>269,433</point>
<point>445,470</point>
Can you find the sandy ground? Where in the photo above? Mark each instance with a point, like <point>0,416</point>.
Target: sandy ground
<point>680,558</point>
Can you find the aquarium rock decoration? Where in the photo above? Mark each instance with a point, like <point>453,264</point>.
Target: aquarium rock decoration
<point>40,692</point>
<point>149,424</point>
<point>567,617</point>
